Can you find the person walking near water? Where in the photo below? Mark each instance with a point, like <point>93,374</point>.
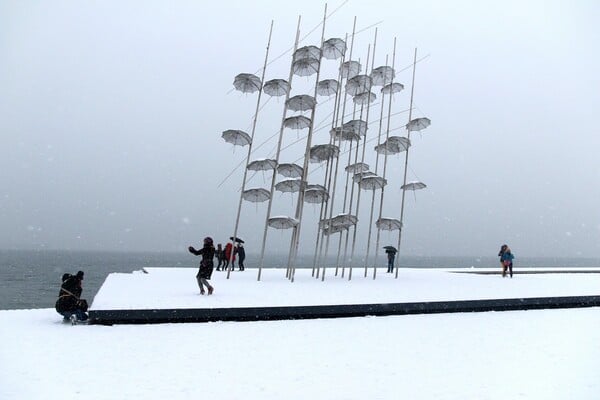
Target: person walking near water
<point>219,255</point>
<point>206,264</point>
<point>506,260</point>
<point>241,253</point>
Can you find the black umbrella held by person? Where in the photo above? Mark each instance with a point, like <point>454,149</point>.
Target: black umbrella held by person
<point>237,239</point>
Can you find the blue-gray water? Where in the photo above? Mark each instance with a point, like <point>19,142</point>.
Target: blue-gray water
<point>31,279</point>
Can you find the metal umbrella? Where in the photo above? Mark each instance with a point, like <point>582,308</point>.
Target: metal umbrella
<point>389,224</point>
<point>333,48</point>
<point>289,185</point>
<point>362,175</point>
<point>247,83</point>
<point>416,185</point>
<point>290,170</point>
<point>372,183</point>
<point>345,220</point>
<point>236,137</point>
<point>327,87</point>
<point>263,164</point>
<point>357,167</point>
<point>305,66</point>
<point>418,124</point>
<point>393,145</point>
<point>307,52</point>
<point>282,222</point>
<point>256,195</point>
<point>276,87</point>
<point>344,134</point>
<point>322,152</point>
<point>358,84</point>
<point>301,102</point>
<point>330,230</point>
<point>297,122</point>
<point>350,69</point>
<point>357,125</point>
<point>316,195</point>
<point>364,98</point>
<point>315,186</point>
<point>382,75</point>
<point>392,88</point>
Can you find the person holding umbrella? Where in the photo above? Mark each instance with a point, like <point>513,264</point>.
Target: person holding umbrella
<point>391,256</point>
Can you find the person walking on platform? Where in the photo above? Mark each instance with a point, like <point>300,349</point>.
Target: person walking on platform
<point>219,255</point>
<point>206,264</point>
<point>229,256</point>
<point>506,260</point>
<point>241,253</point>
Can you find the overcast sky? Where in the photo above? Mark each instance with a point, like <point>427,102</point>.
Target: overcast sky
<point>111,116</point>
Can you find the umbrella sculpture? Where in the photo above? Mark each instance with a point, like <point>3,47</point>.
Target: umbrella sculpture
<point>247,83</point>
<point>358,84</point>
<point>262,164</point>
<point>382,75</point>
<point>301,102</point>
<point>315,186</point>
<point>357,125</point>
<point>344,134</point>
<point>413,186</point>
<point>364,98</point>
<point>392,88</point>
<point>345,220</point>
<point>289,185</point>
<point>307,52</point>
<point>322,152</point>
<point>327,87</point>
<point>315,195</point>
<point>357,167</point>
<point>276,87</point>
<point>290,170</point>
<point>418,124</point>
<point>333,48</point>
<point>372,183</point>
<point>388,224</point>
<point>330,230</point>
<point>350,69</point>
<point>297,122</point>
<point>256,195</point>
<point>362,175</point>
<point>305,66</point>
<point>393,145</point>
<point>236,137</point>
<point>282,222</point>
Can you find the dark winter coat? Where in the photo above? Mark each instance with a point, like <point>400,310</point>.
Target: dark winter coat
<point>206,264</point>
<point>69,295</point>
<point>241,252</point>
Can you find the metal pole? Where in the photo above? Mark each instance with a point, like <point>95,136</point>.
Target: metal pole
<point>287,96</point>
<point>239,210</point>
<point>412,92</point>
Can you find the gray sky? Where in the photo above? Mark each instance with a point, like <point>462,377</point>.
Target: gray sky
<point>111,116</point>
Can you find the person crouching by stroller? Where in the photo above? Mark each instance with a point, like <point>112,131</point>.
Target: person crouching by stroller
<point>69,303</point>
<point>206,264</point>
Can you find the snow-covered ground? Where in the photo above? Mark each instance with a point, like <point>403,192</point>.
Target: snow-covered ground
<point>547,354</point>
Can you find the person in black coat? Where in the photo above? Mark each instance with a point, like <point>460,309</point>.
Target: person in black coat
<point>241,253</point>
<point>206,264</point>
<point>69,303</point>
<point>220,257</point>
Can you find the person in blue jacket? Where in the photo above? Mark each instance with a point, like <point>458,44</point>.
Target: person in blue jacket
<point>506,260</point>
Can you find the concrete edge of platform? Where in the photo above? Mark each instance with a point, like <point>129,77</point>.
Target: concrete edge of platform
<point>159,316</point>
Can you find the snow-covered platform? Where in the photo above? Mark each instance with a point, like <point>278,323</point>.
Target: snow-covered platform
<point>159,295</point>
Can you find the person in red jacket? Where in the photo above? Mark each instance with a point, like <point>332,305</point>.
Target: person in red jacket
<point>229,256</point>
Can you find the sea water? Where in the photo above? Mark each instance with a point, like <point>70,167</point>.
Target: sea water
<point>31,279</point>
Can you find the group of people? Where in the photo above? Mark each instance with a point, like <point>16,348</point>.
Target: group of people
<point>225,258</point>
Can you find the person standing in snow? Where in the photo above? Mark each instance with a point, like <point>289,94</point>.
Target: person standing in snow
<point>206,264</point>
<point>506,260</point>
<point>391,256</point>
<point>69,303</point>
<point>229,256</point>
<point>241,252</point>
<point>219,255</point>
